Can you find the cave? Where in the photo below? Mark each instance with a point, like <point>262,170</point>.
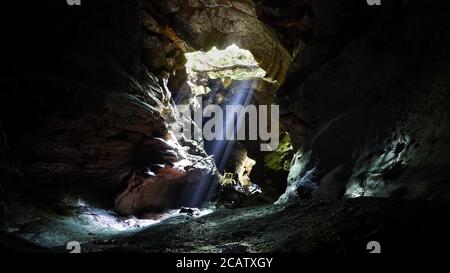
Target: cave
<point>225,126</point>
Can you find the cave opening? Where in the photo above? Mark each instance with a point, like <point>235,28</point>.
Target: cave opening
<point>230,64</point>
<point>228,79</point>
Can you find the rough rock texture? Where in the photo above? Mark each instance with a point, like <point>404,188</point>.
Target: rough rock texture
<point>85,119</point>
<point>91,141</point>
<point>173,180</point>
<point>292,19</point>
<point>202,24</point>
<point>371,90</point>
<point>343,227</point>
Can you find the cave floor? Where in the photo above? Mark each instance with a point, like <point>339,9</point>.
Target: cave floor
<point>302,227</point>
<point>306,227</point>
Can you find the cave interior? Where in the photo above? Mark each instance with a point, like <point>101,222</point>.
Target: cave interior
<point>100,141</point>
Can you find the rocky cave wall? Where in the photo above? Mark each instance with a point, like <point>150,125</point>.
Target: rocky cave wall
<point>366,102</point>
<point>81,114</point>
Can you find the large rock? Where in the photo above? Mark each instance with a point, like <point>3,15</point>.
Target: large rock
<point>167,177</point>
<point>169,188</point>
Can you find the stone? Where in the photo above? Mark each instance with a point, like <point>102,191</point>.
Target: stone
<point>190,211</point>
